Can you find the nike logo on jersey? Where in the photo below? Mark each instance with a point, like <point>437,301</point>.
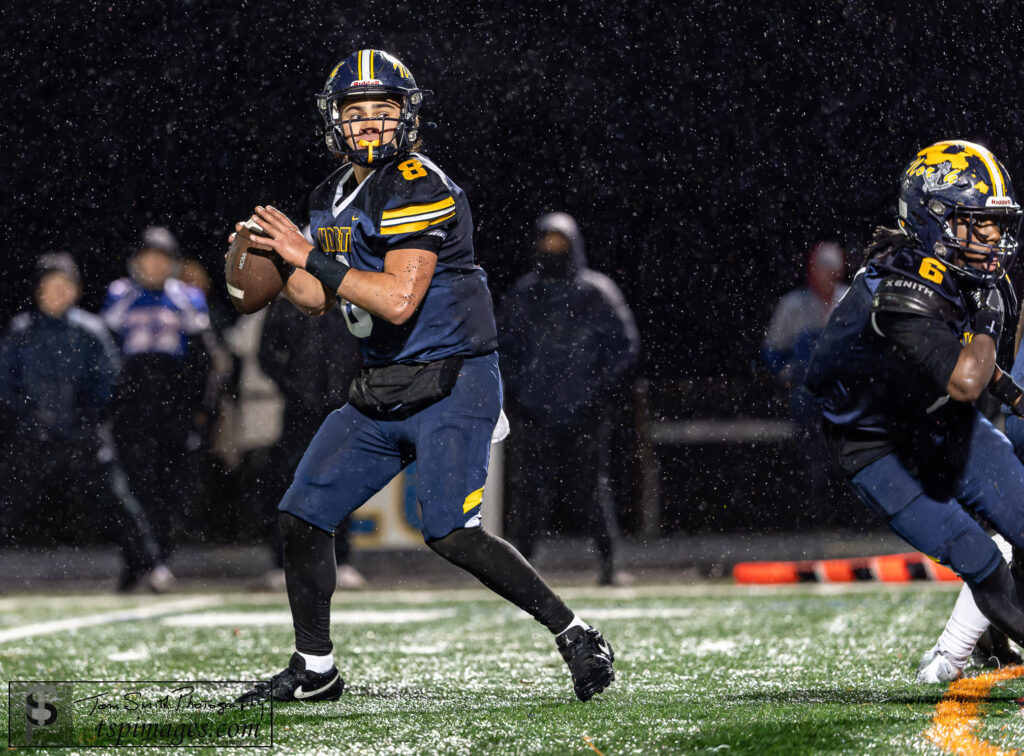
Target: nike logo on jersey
<point>300,693</point>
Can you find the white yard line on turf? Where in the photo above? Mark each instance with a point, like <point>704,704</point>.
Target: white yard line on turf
<point>109,618</point>
<point>617,613</point>
<point>348,617</point>
<point>61,601</point>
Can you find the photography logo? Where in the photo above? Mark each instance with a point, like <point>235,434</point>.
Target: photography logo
<point>44,710</point>
<point>39,709</point>
<point>127,714</point>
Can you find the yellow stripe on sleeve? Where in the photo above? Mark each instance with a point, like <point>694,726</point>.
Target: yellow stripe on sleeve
<point>407,210</point>
<point>473,500</point>
<point>406,228</point>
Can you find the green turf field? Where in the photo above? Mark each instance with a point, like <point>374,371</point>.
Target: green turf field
<point>706,669</point>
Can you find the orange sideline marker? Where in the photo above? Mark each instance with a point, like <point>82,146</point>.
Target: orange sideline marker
<point>887,568</point>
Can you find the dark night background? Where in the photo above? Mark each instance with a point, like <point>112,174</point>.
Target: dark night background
<point>702,146</point>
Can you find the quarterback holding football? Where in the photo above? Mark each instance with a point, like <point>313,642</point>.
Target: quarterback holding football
<point>393,246</point>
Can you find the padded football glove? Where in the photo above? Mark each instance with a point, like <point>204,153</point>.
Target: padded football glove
<point>986,309</point>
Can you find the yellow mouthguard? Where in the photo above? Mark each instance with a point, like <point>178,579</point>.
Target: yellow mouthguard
<point>369,145</point>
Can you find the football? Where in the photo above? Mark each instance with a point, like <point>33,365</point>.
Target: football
<point>253,275</point>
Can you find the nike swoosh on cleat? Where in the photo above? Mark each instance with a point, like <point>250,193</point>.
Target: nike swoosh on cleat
<point>605,649</point>
<point>300,693</point>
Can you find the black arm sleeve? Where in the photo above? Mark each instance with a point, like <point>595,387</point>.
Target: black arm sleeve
<point>926,342</point>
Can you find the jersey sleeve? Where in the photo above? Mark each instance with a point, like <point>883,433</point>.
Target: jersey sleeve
<point>916,319</point>
<point>420,211</point>
<point>926,342</point>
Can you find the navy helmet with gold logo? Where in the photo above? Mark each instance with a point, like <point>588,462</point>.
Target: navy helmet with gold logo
<point>370,74</point>
<point>953,184</point>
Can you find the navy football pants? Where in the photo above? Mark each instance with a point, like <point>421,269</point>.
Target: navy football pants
<point>991,485</point>
<point>352,456</point>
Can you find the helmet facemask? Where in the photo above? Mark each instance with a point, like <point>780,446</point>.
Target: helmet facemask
<point>370,152</point>
<point>975,260</point>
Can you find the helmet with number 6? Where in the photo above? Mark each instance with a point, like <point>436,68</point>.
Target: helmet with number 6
<point>370,74</point>
<point>955,183</point>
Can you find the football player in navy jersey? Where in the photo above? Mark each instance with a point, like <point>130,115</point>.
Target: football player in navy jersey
<point>906,354</point>
<point>394,249</point>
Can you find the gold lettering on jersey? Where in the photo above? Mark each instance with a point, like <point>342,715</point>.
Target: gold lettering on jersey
<point>334,239</point>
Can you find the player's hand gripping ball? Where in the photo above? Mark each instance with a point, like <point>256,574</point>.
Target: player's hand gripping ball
<point>254,276</point>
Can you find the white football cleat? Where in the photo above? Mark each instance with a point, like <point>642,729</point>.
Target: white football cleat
<point>936,668</point>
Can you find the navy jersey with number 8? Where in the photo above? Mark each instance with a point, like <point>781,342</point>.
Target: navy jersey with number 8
<point>408,204</point>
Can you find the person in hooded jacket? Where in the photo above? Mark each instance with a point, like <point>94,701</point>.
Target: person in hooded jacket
<point>58,367</point>
<point>568,338</point>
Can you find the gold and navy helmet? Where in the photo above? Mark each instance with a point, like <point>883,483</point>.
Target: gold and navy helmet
<point>370,74</point>
<point>956,182</point>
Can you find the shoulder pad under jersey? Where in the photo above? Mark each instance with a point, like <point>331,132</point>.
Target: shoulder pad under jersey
<point>903,295</point>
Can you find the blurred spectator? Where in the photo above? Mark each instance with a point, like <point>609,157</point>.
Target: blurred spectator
<point>312,361</point>
<point>796,323</point>
<point>567,341</point>
<point>802,313</point>
<point>161,324</point>
<point>218,383</point>
<point>58,366</point>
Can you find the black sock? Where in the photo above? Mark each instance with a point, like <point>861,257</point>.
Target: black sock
<point>501,568</point>
<point>311,576</point>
